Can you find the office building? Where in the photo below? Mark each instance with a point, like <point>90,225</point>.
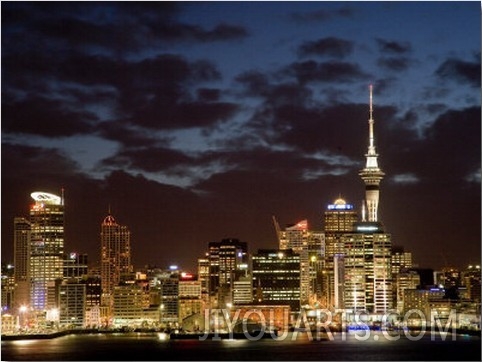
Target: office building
<point>471,279</point>
<point>243,290</point>
<point>276,278</point>
<point>203,277</point>
<point>75,265</point>
<point>190,301</point>
<point>310,246</point>
<point>407,279</point>
<point>339,218</point>
<point>228,260</point>
<point>401,259</point>
<point>7,287</point>
<point>46,247</point>
<point>71,302</point>
<point>368,277</point>
<point>131,305</point>
<point>21,252</point>
<point>164,284</point>
<point>115,257</point>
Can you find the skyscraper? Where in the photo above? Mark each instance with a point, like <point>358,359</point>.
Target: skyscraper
<point>115,258</point>
<point>339,218</point>
<point>368,275</point>
<point>47,246</point>
<point>310,246</point>
<point>21,241</point>
<point>276,273</point>
<point>228,260</point>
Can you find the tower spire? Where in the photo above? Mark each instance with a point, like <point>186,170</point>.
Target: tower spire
<point>371,145</point>
<point>371,174</point>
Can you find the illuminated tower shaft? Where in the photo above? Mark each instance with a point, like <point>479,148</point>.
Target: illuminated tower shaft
<point>371,174</point>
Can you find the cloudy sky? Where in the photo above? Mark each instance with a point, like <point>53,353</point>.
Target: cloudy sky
<point>200,121</point>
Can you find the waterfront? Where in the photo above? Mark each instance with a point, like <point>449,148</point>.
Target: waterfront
<point>149,347</point>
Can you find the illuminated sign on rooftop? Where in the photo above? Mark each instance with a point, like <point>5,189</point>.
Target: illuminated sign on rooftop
<point>340,207</point>
<point>45,197</point>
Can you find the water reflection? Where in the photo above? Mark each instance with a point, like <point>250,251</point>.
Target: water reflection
<point>296,346</point>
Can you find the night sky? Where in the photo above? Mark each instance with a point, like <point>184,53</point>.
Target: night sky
<point>200,121</point>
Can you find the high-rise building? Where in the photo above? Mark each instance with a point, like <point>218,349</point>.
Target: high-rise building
<point>203,277</point>
<point>21,252</point>
<point>276,276</point>
<point>243,290</point>
<point>471,279</point>
<point>75,265</point>
<point>339,218</point>
<point>115,257</point>
<point>228,260</point>
<point>368,276</point>
<point>190,301</point>
<point>401,259</point>
<point>46,247</point>
<point>407,279</point>
<point>71,301</point>
<point>7,287</point>
<point>310,246</point>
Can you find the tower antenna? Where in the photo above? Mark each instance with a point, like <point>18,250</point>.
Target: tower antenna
<point>371,101</point>
<point>62,196</point>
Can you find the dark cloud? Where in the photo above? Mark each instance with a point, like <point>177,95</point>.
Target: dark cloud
<point>107,27</point>
<point>441,160</point>
<point>36,165</point>
<point>45,117</point>
<point>311,71</point>
<point>321,15</point>
<point>331,46</point>
<point>393,47</point>
<point>396,64</point>
<point>208,94</point>
<point>460,71</point>
<point>124,133</point>
<point>159,114</point>
<point>151,159</point>
<point>438,157</point>
<point>152,92</point>
<point>254,82</point>
<point>444,149</point>
<point>186,32</point>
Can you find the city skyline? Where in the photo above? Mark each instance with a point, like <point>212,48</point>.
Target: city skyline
<point>209,118</point>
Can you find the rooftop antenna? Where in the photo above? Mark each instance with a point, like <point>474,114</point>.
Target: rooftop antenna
<point>62,196</point>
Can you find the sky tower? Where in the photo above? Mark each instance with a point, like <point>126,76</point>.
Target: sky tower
<point>371,174</point>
